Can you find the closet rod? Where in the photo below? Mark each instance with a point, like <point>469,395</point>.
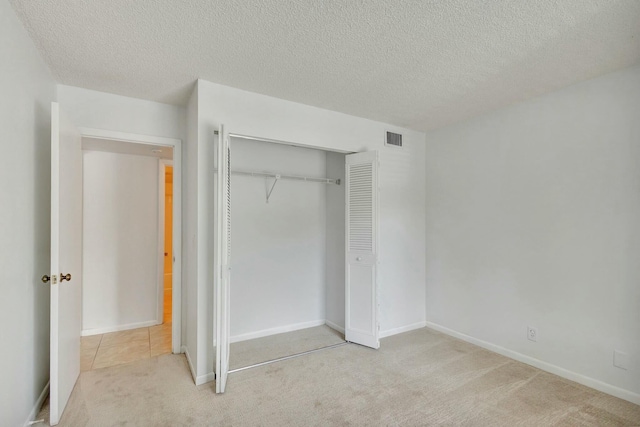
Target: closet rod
<point>280,176</point>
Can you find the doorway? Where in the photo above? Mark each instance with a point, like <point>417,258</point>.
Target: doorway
<point>127,252</point>
<point>66,265</point>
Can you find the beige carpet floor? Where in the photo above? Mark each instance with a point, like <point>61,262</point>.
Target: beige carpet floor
<point>250,352</point>
<point>415,379</point>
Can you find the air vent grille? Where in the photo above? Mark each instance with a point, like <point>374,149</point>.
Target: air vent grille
<point>394,139</point>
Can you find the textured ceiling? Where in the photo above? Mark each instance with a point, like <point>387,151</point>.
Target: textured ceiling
<point>420,64</point>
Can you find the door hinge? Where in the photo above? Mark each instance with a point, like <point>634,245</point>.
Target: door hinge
<point>54,279</point>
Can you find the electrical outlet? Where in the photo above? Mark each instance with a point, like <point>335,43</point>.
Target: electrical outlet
<point>532,334</point>
<point>620,360</point>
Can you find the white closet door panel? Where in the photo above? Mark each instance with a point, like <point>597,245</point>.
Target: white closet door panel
<point>362,309</point>
<point>361,299</point>
<point>223,262</point>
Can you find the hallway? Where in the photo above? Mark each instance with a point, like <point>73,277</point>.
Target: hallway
<point>117,348</point>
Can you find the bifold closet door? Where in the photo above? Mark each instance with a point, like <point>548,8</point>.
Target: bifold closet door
<point>222,280</point>
<point>361,298</point>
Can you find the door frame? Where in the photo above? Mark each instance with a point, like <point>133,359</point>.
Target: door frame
<point>176,144</point>
<point>162,170</point>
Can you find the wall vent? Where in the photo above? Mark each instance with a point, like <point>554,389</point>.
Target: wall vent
<point>393,139</point>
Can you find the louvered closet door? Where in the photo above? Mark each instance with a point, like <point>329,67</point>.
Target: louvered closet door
<point>361,299</point>
<point>222,287</point>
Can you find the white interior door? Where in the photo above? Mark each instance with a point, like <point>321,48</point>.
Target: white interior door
<point>361,299</point>
<point>66,260</point>
<point>223,261</point>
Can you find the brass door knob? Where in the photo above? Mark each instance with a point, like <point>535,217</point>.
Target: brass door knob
<point>64,277</point>
<point>45,279</point>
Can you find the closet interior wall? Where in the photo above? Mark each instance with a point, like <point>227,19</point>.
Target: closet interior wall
<point>288,254</point>
<point>335,238</point>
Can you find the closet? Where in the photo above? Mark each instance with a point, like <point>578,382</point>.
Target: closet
<point>288,251</point>
<point>282,253</point>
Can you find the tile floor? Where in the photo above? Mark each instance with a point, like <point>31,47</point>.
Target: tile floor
<point>167,305</point>
<point>116,348</point>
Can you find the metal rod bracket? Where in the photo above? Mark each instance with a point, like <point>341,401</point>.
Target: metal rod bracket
<point>275,181</point>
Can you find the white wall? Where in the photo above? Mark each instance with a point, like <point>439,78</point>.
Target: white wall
<point>120,241</point>
<point>402,202</point>
<point>25,132</point>
<point>278,249</point>
<point>335,241</point>
<point>99,110</point>
<point>533,218</point>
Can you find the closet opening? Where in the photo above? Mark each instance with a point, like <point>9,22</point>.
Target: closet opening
<point>288,245</point>
<point>296,251</point>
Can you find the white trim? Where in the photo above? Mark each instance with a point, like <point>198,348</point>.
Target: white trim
<point>98,331</point>
<point>129,137</point>
<point>401,329</point>
<point>37,406</point>
<point>198,380</point>
<point>176,282</point>
<point>278,330</point>
<point>185,350</point>
<point>545,366</point>
<point>162,167</point>
<point>207,378</point>
<point>278,141</point>
<point>334,326</point>
<point>176,246</point>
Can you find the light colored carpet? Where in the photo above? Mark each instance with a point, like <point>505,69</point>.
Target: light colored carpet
<point>250,352</point>
<point>417,378</point>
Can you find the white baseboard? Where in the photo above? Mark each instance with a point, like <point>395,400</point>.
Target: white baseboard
<point>548,367</point>
<point>38,405</point>
<point>401,329</point>
<point>198,380</point>
<point>185,350</point>
<point>98,331</point>
<point>278,330</point>
<point>207,378</point>
<point>334,326</point>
